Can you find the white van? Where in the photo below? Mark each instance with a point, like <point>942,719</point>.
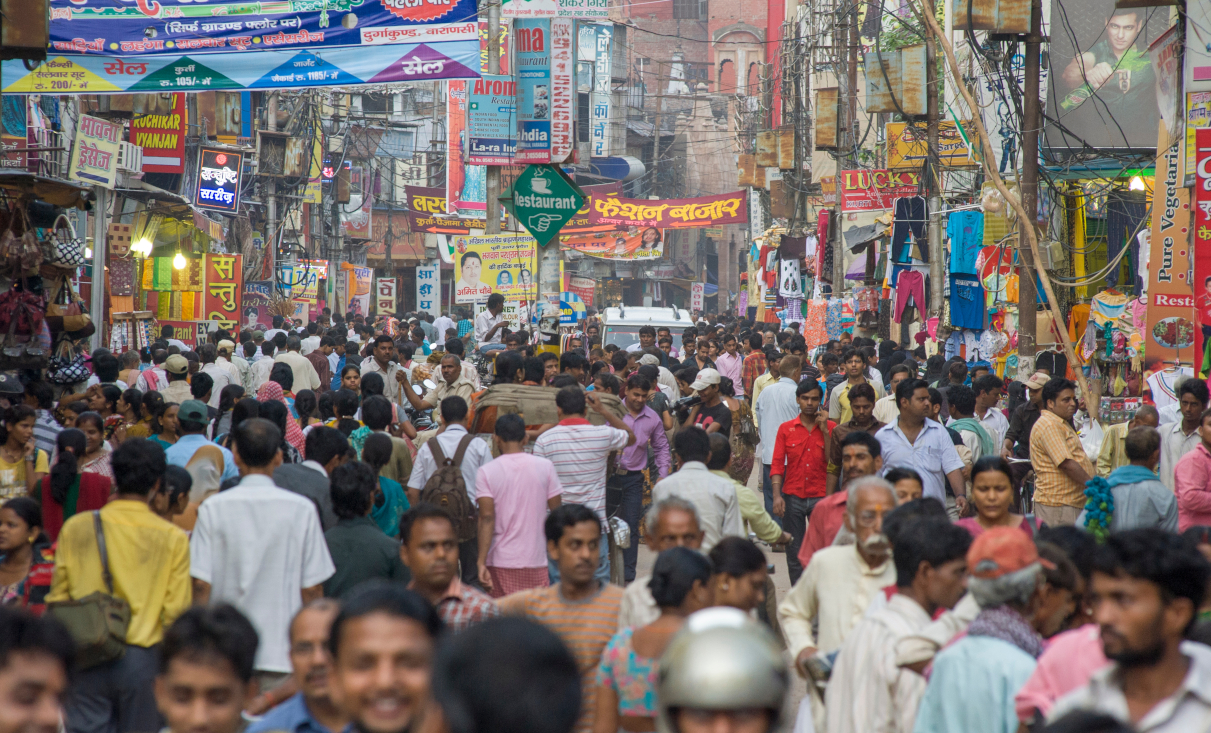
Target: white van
<point>621,325</point>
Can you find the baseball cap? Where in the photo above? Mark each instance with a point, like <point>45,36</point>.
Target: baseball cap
<point>649,360</point>
<point>1037,380</point>
<point>705,378</point>
<point>196,411</point>
<point>1001,551</point>
<point>227,344</point>
<point>258,334</point>
<point>176,364</point>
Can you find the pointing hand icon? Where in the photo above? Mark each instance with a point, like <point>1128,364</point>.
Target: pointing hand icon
<point>541,222</point>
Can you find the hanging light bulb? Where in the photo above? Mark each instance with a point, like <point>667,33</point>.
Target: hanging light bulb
<point>1137,184</point>
<point>88,253</point>
<point>179,261</point>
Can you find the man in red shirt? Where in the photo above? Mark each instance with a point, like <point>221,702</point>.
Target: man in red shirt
<point>861,455</point>
<point>799,468</point>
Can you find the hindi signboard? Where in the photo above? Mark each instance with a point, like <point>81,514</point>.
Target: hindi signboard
<point>873,190</point>
<point>697,296</point>
<point>428,288</point>
<point>94,156</point>
<point>219,180</point>
<point>728,208</point>
<point>1201,213</point>
<point>384,294</point>
<point>562,109</point>
<point>533,90</point>
<point>494,263</point>
<point>224,289</point>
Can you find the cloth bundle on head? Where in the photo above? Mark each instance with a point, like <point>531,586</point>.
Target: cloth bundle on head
<point>272,392</point>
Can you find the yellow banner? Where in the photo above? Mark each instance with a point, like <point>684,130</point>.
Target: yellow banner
<point>906,146</point>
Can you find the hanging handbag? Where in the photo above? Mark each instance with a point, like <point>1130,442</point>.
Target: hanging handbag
<point>67,368</point>
<point>62,247</point>
<point>65,311</point>
<point>98,622</point>
<point>19,248</point>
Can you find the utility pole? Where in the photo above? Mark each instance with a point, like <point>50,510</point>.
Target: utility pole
<point>656,127</point>
<point>493,187</point>
<point>1027,298</point>
<point>96,307</point>
<point>847,135</point>
<point>934,231</point>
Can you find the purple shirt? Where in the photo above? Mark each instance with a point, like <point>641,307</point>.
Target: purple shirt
<point>647,428</point>
<point>729,366</point>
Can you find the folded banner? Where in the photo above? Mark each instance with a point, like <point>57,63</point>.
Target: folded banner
<point>453,58</point>
<point>728,208</point>
<point>150,27</point>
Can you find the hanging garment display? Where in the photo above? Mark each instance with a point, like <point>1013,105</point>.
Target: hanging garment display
<point>966,302</point>
<point>1163,385</point>
<point>832,319</point>
<point>910,221</point>
<point>1125,210</point>
<point>909,292</point>
<point>1107,306</point>
<point>965,229</point>
<point>789,284</point>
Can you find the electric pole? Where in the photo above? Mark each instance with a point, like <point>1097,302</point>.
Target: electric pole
<point>933,165</point>
<point>1027,298</point>
<point>493,186</point>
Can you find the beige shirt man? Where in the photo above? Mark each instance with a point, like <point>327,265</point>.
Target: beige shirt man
<point>305,376</point>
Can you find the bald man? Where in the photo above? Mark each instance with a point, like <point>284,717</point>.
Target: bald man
<point>1114,444</point>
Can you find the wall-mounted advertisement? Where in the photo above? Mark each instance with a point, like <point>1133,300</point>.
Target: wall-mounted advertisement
<point>219,180</point>
<point>533,91</point>
<point>494,263</point>
<point>491,115</point>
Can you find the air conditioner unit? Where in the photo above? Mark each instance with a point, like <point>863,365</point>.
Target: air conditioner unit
<point>130,157</point>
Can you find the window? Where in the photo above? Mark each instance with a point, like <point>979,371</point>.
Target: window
<point>695,73</point>
<point>379,104</point>
<point>689,9</point>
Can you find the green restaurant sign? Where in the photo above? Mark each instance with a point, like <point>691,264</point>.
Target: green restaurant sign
<point>543,199</point>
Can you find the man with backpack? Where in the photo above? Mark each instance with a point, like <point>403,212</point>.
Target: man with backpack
<point>443,473</point>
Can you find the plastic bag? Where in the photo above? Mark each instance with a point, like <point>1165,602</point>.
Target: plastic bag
<point>1091,439</point>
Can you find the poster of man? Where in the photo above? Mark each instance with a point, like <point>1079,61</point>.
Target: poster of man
<point>1102,89</point>
<point>494,263</point>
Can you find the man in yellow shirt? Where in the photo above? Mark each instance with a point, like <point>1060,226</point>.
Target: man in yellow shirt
<point>1114,445</point>
<point>149,563</point>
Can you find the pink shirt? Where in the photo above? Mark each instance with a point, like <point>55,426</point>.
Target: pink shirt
<point>519,484</point>
<point>1192,483</point>
<point>1068,663</point>
<point>729,366</point>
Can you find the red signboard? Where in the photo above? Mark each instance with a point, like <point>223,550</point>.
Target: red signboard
<point>162,137</point>
<point>873,190</point>
<point>224,289</point>
<point>1202,245</point>
<point>583,287</point>
<point>728,208</point>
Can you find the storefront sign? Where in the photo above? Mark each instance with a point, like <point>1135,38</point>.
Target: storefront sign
<point>533,90</point>
<point>728,208</point>
<point>562,109</point>
<point>583,287</point>
<point>571,309</point>
<point>224,288</point>
<point>219,180</point>
<point>96,26</point>
<point>425,200</point>
<point>697,296</point>
<point>544,199</point>
<point>491,120</point>
<point>161,134</point>
<point>384,294</point>
<point>494,263</point>
<point>428,288</point>
<point>442,224</point>
<point>1198,114</point>
<point>1202,245</point>
<point>555,8</point>
<point>1171,307</point>
<point>601,100</point>
<point>255,306</point>
<point>506,38</point>
<point>94,156</point>
<point>872,190</point>
<point>446,56</point>
<point>300,282</point>
<point>907,146</point>
<point>624,244</point>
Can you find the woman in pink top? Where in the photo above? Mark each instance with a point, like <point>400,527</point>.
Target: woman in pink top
<point>992,496</point>
<point>1192,481</point>
<point>1069,662</point>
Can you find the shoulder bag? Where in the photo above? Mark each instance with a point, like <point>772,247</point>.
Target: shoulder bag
<point>98,621</point>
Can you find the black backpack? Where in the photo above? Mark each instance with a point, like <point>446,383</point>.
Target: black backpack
<point>447,489</point>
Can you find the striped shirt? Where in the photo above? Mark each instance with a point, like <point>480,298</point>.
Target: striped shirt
<point>586,626</point>
<point>579,451</point>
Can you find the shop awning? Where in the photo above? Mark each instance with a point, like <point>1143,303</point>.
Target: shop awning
<point>51,190</point>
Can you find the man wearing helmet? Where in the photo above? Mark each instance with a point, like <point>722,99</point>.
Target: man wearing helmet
<point>722,673</point>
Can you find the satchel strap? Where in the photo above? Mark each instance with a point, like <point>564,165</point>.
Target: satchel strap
<point>109,580</point>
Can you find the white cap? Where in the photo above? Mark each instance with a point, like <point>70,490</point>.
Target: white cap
<point>705,378</point>
<point>649,360</point>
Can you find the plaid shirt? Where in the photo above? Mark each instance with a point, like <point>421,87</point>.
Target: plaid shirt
<point>465,326</point>
<point>754,366</point>
<point>462,605</point>
<point>1053,441</point>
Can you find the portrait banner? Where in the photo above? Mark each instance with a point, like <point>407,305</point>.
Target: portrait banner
<point>728,208</point>
<point>626,244</point>
<point>224,288</point>
<point>495,263</point>
<point>254,306</point>
<point>357,289</point>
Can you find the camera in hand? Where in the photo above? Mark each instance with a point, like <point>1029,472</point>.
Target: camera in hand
<point>687,402</point>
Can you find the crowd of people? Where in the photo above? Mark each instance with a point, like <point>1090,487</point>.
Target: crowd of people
<point>339,527</point>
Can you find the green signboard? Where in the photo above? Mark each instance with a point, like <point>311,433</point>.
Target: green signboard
<point>543,199</point>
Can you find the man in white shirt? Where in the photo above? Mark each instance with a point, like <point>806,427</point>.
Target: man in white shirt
<point>380,362</point>
<point>917,442</point>
<point>672,522</point>
<point>441,323</point>
<point>235,365</point>
<point>1149,585</point>
<point>267,570</point>
<point>154,379</point>
<point>713,497</point>
<point>208,353</point>
<point>776,404</point>
<point>166,333</point>
<point>454,414</point>
<point>277,328</point>
<point>312,342</point>
<point>886,410</point>
<point>489,323</point>
<point>304,373</point>
<point>1181,437</point>
<point>988,390</point>
<point>647,339</point>
<point>867,690</point>
<point>580,452</point>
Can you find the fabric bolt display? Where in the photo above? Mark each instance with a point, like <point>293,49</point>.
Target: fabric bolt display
<point>187,306</point>
<point>910,221</point>
<point>147,279</point>
<point>177,302</point>
<point>164,307</point>
<point>832,319</point>
<point>162,275</point>
<point>909,292</point>
<point>1124,213</point>
<point>965,229</point>
<point>966,302</point>
<point>121,277</point>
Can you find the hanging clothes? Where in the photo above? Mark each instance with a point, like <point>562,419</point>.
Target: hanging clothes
<point>966,302</point>
<point>909,292</point>
<point>965,229</point>
<point>832,319</point>
<point>814,330</point>
<point>1107,306</point>
<point>1078,316</point>
<point>1125,210</point>
<point>910,221</point>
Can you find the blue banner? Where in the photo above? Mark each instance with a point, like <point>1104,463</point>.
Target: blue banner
<point>151,27</point>
<point>532,43</point>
